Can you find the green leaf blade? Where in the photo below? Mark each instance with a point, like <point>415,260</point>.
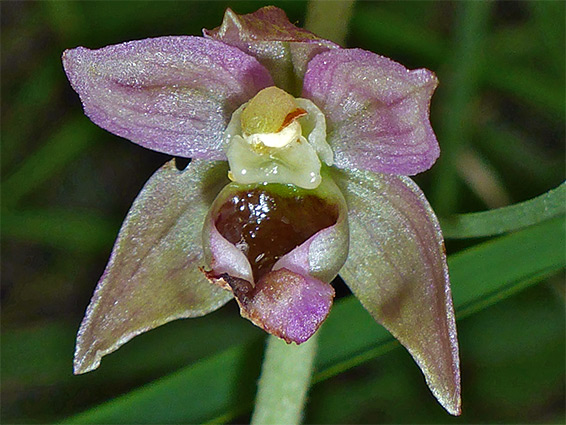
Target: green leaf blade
<point>507,219</point>
<point>480,276</point>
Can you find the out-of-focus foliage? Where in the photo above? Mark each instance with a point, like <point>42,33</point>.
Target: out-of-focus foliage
<point>67,184</point>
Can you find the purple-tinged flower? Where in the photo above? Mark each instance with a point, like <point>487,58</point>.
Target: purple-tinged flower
<point>301,151</point>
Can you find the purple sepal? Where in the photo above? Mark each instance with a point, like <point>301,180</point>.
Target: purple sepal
<point>280,46</point>
<point>397,268</point>
<point>170,94</point>
<point>153,274</point>
<point>377,111</point>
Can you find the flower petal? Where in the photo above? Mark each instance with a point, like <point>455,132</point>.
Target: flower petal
<point>377,111</point>
<point>284,303</point>
<point>169,94</point>
<point>221,255</point>
<point>280,46</point>
<point>397,268</point>
<point>153,274</point>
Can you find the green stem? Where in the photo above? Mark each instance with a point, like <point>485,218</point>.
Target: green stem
<point>329,19</point>
<point>285,379</point>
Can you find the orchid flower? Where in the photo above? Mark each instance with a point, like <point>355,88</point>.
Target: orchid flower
<point>300,155</point>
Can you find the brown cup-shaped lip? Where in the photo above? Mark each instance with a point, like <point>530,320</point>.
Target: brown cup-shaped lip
<point>265,225</point>
<point>277,248</point>
<point>250,228</point>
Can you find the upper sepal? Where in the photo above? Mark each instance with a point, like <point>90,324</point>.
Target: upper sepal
<point>153,274</point>
<point>283,48</point>
<point>377,111</point>
<point>170,94</point>
<point>397,269</point>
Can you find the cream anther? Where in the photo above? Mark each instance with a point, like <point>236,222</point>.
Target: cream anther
<point>280,139</point>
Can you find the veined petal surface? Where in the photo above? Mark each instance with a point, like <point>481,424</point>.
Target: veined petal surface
<point>153,274</point>
<point>170,94</point>
<point>286,304</point>
<point>377,111</point>
<point>397,269</point>
<point>267,34</point>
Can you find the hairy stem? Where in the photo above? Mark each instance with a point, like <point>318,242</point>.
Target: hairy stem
<point>285,378</point>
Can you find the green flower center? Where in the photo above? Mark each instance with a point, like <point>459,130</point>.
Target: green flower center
<point>275,138</point>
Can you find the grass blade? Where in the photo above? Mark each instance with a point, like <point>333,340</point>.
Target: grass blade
<point>60,228</point>
<point>506,219</point>
<point>466,60</point>
<point>59,150</point>
<point>481,276</point>
<point>396,35</point>
<point>178,397</point>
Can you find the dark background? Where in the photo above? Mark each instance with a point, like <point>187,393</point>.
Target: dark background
<point>67,184</point>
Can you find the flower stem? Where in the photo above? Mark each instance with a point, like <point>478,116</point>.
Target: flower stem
<point>284,381</point>
<point>329,19</point>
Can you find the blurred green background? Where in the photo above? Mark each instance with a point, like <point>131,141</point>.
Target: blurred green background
<point>499,114</point>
